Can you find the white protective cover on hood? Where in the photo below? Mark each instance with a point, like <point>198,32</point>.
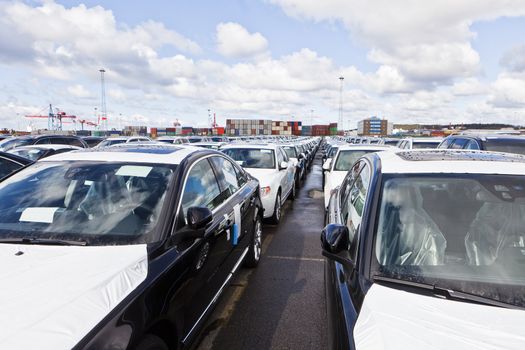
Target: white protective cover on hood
<point>266,177</point>
<point>395,319</point>
<point>52,296</point>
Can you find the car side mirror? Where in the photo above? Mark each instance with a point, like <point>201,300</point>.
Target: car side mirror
<point>199,217</point>
<point>327,164</point>
<point>302,156</point>
<point>283,165</point>
<point>335,242</point>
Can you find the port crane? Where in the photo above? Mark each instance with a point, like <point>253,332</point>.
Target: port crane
<point>55,119</point>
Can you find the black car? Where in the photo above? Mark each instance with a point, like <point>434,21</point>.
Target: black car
<point>10,163</point>
<point>494,143</point>
<point>425,250</point>
<point>19,141</point>
<point>123,247</point>
<point>93,141</point>
<point>299,158</point>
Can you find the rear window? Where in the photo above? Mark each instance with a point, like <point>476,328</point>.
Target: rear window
<point>346,159</point>
<point>421,145</point>
<point>252,157</point>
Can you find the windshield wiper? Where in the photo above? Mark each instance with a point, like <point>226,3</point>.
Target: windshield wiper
<point>43,241</point>
<point>446,293</point>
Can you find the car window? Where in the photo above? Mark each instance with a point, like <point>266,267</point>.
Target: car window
<point>285,156</point>
<point>42,141</point>
<point>7,167</point>
<point>472,145</point>
<point>226,175</point>
<point>202,188</point>
<point>445,143</point>
<point>345,159</point>
<point>280,157</point>
<point>252,157</point>
<point>353,205</point>
<point>458,143</point>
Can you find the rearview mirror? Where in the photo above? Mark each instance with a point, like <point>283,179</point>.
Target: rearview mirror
<point>335,242</point>
<point>327,164</point>
<point>283,165</point>
<point>302,156</point>
<point>199,217</point>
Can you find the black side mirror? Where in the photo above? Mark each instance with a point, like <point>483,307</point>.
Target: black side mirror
<point>335,242</point>
<point>199,217</point>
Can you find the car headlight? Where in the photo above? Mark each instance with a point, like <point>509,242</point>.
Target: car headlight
<point>265,191</point>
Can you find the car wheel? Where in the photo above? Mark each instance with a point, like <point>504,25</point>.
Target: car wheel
<point>255,249</point>
<point>152,342</point>
<point>277,211</point>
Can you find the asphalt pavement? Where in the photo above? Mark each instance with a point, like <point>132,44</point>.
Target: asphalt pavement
<point>281,303</point>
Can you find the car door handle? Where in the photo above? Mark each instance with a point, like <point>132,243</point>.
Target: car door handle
<point>226,222</point>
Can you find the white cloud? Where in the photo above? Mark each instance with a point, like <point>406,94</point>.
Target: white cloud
<point>78,91</point>
<point>428,42</point>
<point>233,40</point>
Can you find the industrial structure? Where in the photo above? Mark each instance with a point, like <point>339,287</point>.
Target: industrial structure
<point>374,126</point>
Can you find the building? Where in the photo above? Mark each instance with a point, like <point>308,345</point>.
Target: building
<point>374,126</point>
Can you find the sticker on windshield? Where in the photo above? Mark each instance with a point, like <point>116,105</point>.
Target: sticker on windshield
<point>42,214</point>
<point>133,170</point>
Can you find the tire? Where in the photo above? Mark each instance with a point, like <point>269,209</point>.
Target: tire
<point>255,248</point>
<point>277,210</point>
<point>152,342</point>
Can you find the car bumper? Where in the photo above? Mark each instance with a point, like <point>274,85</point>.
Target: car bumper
<point>268,203</point>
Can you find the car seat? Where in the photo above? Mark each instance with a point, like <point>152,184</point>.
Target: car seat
<point>407,234</point>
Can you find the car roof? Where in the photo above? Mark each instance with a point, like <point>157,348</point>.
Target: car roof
<point>46,146</point>
<point>251,145</point>
<point>485,137</point>
<point>364,147</point>
<point>156,153</point>
<point>450,161</point>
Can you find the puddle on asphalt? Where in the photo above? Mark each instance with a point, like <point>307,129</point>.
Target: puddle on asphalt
<point>315,194</point>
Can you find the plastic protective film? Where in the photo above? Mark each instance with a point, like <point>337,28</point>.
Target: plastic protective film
<point>406,233</point>
<point>52,296</point>
<point>395,319</point>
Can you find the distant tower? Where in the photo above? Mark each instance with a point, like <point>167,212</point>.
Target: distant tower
<point>210,121</point>
<point>340,122</point>
<point>103,108</point>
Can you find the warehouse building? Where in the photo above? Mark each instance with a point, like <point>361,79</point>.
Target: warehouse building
<point>374,126</point>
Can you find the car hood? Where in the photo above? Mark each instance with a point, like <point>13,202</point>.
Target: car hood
<point>52,296</point>
<point>265,176</point>
<point>395,319</point>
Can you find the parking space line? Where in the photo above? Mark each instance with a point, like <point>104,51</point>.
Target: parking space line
<point>293,258</point>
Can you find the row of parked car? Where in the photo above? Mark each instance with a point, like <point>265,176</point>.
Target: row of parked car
<point>129,246</point>
<point>425,247</point>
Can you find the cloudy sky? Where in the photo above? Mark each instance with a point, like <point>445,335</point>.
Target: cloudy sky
<point>405,60</point>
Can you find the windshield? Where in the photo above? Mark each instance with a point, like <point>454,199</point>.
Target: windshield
<point>252,157</point>
<point>464,233</point>
<point>508,146</point>
<point>93,201</point>
<point>31,154</point>
<point>7,144</point>
<point>194,140</point>
<point>346,159</point>
<point>290,151</point>
<point>421,145</point>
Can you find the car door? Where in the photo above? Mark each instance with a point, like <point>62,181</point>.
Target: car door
<point>282,173</point>
<point>241,199</point>
<point>290,170</point>
<point>201,189</point>
<point>352,200</point>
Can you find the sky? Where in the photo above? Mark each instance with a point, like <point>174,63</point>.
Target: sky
<point>408,61</point>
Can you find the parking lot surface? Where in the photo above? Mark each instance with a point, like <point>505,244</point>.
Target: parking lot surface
<point>281,303</point>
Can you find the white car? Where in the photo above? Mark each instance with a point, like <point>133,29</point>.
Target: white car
<point>335,169</point>
<point>273,168</point>
<point>124,139</point>
<point>419,142</point>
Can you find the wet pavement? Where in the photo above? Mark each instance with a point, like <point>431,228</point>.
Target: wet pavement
<point>281,303</point>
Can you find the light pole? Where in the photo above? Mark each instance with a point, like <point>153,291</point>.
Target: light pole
<point>311,117</point>
<point>340,122</point>
<point>103,108</point>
